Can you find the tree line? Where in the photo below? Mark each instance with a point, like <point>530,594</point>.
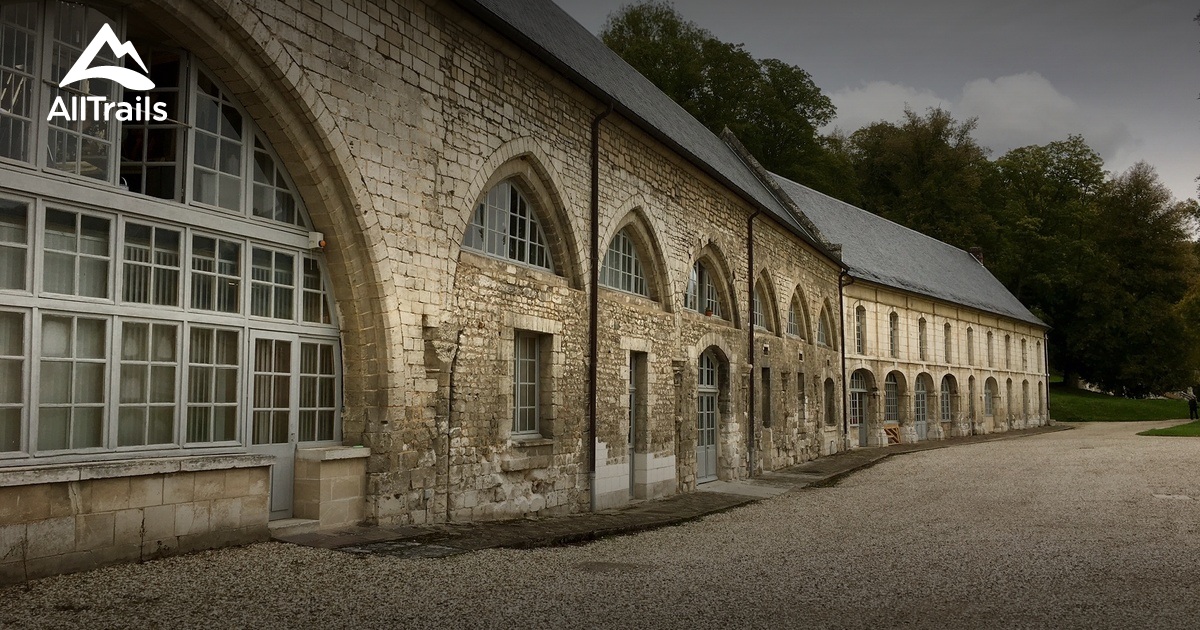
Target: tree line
<point>1107,260</point>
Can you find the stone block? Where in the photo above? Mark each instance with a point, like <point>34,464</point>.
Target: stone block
<point>209,484</point>
<point>225,514</point>
<point>256,510</point>
<point>51,537</point>
<point>159,522</point>
<point>145,491</point>
<point>127,528</point>
<point>12,572</point>
<point>54,565</point>
<point>179,488</point>
<point>12,542</point>
<point>192,518</point>
<point>107,495</point>
<point>93,531</point>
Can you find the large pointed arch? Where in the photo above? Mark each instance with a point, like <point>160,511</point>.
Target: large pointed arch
<point>827,332</point>
<point>637,227</point>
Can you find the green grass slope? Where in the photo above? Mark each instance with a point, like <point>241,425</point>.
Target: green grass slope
<point>1073,405</point>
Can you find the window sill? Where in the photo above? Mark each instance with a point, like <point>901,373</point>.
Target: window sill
<point>530,441</point>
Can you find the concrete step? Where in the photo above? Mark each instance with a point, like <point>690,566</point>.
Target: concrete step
<point>292,527</point>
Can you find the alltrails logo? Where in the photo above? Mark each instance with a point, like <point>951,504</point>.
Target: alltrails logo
<point>78,108</point>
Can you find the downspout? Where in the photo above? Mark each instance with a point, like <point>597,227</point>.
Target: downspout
<point>594,303</point>
<point>750,347</point>
<point>842,284</point>
<point>1046,370</point>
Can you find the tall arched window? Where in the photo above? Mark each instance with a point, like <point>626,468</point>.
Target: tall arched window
<point>920,401</point>
<point>860,330</point>
<point>923,339</point>
<point>830,402</point>
<point>505,226</point>
<point>989,397</point>
<point>1038,355</point>
<point>891,398</point>
<point>989,348</point>
<point>947,393</point>
<point>894,335</point>
<point>1025,399</point>
<point>947,338</point>
<point>1007,352</point>
<point>622,269</point>
<point>701,294</point>
<point>971,396</point>
<point>858,399</point>
<point>970,346</point>
<point>708,393</point>
<point>1024,357</point>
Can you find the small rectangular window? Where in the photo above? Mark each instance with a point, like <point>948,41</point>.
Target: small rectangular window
<point>72,385</point>
<point>77,254</point>
<point>12,379</point>
<point>318,385</point>
<point>19,52</point>
<point>272,284</point>
<point>14,244</point>
<point>212,385</point>
<point>149,359</point>
<point>216,274</point>
<point>151,267</point>
<point>526,386</point>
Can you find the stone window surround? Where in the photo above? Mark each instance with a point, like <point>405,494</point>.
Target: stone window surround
<point>550,372</point>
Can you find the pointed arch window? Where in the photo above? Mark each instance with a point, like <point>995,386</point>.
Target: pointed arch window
<point>797,322</point>
<point>1007,352</point>
<point>761,309</point>
<point>701,294</point>
<point>947,335</point>
<point>825,329</point>
<point>923,339</point>
<point>505,226</point>
<point>894,335</point>
<point>989,348</point>
<point>970,346</point>
<point>622,269</point>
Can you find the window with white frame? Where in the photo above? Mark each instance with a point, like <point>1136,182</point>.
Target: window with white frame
<point>894,335</point>
<point>125,280</point>
<point>701,294</point>
<point>505,226</point>
<point>622,269</point>
<point>526,385</point>
<point>860,330</point>
<point>891,398</point>
<point>760,309</point>
<point>989,397</point>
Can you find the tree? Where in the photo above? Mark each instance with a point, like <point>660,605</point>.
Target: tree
<point>927,173</point>
<point>1133,336</point>
<point>773,107</point>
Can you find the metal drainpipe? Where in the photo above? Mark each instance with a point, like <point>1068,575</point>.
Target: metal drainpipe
<point>750,348</point>
<point>594,303</point>
<point>1046,370</point>
<point>842,284</point>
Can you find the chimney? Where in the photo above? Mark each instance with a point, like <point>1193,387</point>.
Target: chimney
<point>977,254</point>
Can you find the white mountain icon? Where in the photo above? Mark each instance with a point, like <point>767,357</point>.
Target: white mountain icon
<point>126,77</point>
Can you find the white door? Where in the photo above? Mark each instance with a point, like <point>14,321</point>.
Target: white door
<point>294,402</point>
<point>633,405</point>
<point>706,420</point>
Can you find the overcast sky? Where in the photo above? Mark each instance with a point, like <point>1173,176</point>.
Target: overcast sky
<point>1124,74</point>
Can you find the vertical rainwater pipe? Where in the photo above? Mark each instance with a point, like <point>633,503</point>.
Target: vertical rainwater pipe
<point>594,302</point>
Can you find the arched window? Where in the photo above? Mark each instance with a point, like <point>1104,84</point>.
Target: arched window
<point>989,397</point>
<point>797,317</point>
<point>1025,399</point>
<point>1038,353</point>
<point>708,394</point>
<point>971,396</point>
<point>947,393</point>
<point>891,398</point>
<point>1024,357</point>
<point>622,270</point>
<point>182,306</point>
<point>825,330</point>
<point>505,226</point>
<point>894,335</point>
<point>989,348</point>
<point>1008,398</point>
<point>923,339</point>
<point>970,346</point>
<point>701,294</point>
<point>830,403</point>
<point>860,330</point>
<point>761,309</point>
<point>1007,352</point>
<point>858,399</point>
<point>947,335</point>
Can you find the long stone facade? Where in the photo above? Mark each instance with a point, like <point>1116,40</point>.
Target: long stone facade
<point>491,232</point>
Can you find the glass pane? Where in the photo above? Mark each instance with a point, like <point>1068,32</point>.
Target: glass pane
<point>89,382</point>
<point>162,384</point>
<point>226,386</point>
<point>12,267</point>
<point>224,424</point>
<point>11,381</point>
<point>91,343</point>
<point>13,222</point>
<point>130,426</point>
<point>10,430</point>
<point>12,334</point>
<point>164,343</point>
<point>56,337</point>
<point>133,383</point>
<point>93,277</point>
<point>134,341</point>
<point>161,429</point>
<point>93,237</point>
<point>53,428</point>
<point>59,273</point>
<point>87,429</point>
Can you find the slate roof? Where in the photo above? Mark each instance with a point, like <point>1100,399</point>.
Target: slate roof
<point>555,38</point>
<point>887,253</point>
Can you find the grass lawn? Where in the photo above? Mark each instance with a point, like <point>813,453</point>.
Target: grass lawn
<point>1191,429</point>
<point>1073,405</point>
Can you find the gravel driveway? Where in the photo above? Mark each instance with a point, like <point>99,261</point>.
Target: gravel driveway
<point>1089,528</point>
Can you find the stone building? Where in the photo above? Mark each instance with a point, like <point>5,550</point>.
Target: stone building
<point>407,262</point>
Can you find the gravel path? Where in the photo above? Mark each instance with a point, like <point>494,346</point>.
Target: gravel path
<point>1087,528</point>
